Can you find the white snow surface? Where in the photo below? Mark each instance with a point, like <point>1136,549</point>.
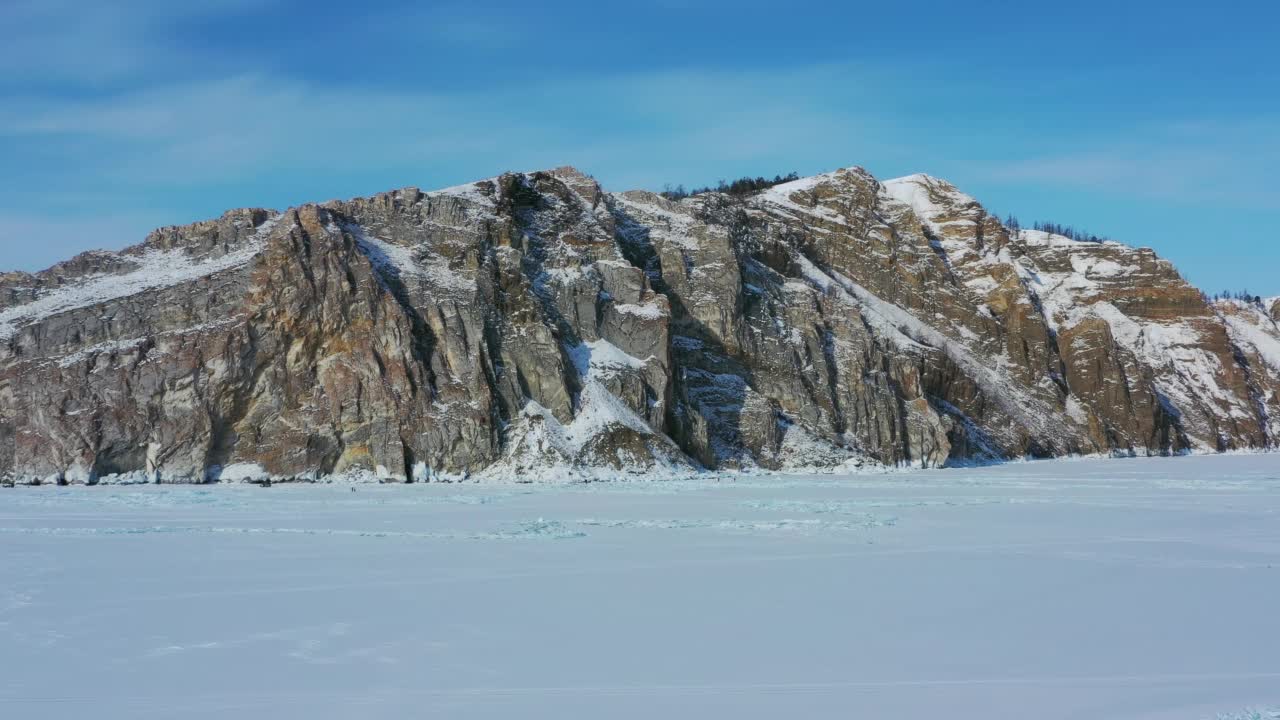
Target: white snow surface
<point>1104,589</point>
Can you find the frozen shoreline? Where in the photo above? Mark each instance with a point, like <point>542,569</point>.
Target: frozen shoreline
<point>573,476</point>
<point>1092,588</point>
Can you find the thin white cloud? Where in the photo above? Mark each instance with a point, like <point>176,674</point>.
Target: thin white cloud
<point>1232,163</point>
<point>77,43</point>
<point>217,130</point>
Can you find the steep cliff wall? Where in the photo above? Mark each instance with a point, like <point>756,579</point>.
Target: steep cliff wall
<point>534,326</point>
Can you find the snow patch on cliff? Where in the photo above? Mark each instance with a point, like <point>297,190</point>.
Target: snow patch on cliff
<point>155,269</point>
<point>952,221</point>
<point>781,196</point>
<point>1185,373</point>
<point>476,204</point>
<point>930,197</point>
<point>1250,327</point>
<point>645,215</point>
<point>403,263</point>
<point>650,311</point>
<point>1047,239</point>
<point>597,359</point>
<point>802,451</point>
<point>906,330</point>
<point>543,449</point>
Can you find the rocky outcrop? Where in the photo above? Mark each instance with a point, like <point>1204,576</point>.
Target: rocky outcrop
<point>1254,330</point>
<point>534,326</point>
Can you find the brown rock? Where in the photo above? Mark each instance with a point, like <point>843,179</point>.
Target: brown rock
<point>533,323</point>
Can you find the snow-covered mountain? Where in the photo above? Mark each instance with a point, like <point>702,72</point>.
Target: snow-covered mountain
<point>534,326</point>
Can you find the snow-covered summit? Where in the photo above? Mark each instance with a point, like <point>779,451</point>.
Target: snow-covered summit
<point>927,195</point>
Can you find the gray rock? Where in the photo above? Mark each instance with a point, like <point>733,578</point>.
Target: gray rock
<point>534,326</point>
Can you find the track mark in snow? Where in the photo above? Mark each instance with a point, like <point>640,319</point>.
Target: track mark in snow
<point>858,507</point>
<point>533,529</point>
<point>865,521</point>
<point>641,689</point>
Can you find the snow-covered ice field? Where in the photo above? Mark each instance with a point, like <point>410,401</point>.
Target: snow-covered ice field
<point>1083,589</point>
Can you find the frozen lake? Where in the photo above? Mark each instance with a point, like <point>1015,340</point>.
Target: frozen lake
<point>1075,589</point>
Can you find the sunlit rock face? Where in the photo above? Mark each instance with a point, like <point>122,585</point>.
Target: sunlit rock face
<point>537,327</point>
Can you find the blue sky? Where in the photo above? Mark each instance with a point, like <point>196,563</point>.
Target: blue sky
<point>1155,123</point>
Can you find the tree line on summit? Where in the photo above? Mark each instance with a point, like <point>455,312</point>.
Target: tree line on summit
<point>1241,295</point>
<point>740,187</point>
<point>748,185</point>
<point>1053,228</point>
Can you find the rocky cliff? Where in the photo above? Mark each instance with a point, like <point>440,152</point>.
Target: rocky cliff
<point>534,326</point>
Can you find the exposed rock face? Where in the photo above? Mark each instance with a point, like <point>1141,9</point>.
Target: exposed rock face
<point>1255,335</point>
<point>534,324</point>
